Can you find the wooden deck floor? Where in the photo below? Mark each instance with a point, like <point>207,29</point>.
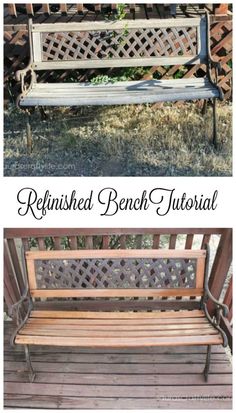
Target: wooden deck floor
<point>69,378</point>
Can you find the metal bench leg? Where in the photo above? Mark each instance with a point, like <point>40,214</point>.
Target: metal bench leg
<point>204,107</point>
<point>29,365</point>
<point>214,140</point>
<point>207,365</point>
<point>28,134</point>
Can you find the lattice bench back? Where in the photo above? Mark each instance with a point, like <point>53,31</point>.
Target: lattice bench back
<point>119,43</point>
<point>116,273</point>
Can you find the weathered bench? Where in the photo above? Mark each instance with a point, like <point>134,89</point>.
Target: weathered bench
<point>111,44</point>
<point>179,276</point>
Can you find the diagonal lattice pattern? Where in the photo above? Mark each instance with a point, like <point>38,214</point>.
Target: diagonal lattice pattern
<point>133,43</point>
<point>116,273</point>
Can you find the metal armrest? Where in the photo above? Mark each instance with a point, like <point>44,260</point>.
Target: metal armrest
<point>19,313</point>
<point>219,306</point>
<point>21,75</point>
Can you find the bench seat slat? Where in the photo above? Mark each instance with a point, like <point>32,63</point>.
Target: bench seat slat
<point>120,342</point>
<point>81,94</point>
<point>116,315</point>
<point>101,329</point>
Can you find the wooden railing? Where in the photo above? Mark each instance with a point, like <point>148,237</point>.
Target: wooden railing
<point>67,8</point>
<point>89,238</point>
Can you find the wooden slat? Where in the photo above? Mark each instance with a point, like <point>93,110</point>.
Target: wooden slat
<point>115,334</point>
<point>220,266</point>
<point>205,240</point>
<point>123,242</point>
<point>115,254</point>
<point>116,25</point>
<point>172,242</point>
<point>128,315</point>
<point>120,342</point>
<point>29,9</point>
<point>16,263</point>
<point>57,243</point>
<point>73,243</point>
<point>41,244</point>
<point>115,292</point>
<point>89,242</point>
<point>64,232</point>
<point>156,241</point>
<point>63,8</point>
<point>12,9</point>
<point>46,8</point>
<point>105,242</point>
<point>80,8</point>
<point>189,241</point>
<point>31,273</point>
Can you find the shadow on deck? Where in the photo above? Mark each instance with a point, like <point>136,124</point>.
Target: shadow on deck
<point>71,378</point>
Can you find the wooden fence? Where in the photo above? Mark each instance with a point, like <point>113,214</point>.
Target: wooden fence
<point>68,8</point>
<point>76,238</point>
<point>16,50</point>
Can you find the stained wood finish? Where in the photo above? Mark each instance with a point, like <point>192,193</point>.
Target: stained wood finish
<point>107,267</point>
<point>100,329</point>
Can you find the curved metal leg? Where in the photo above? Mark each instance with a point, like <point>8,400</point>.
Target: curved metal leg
<point>207,365</point>
<point>29,365</point>
<point>214,140</point>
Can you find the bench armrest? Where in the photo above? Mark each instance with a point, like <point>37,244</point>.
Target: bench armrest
<point>21,75</point>
<point>20,312</point>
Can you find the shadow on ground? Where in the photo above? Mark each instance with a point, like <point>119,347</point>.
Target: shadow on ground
<point>119,141</point>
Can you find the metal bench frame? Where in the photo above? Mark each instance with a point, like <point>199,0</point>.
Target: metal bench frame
<point>22,309</point>
<point>180,41</point>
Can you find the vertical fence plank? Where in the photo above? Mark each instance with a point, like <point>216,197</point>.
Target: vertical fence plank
<point>205,240</point>
<point>105,242</point>
<point>156,242</point>
<point>10,280</point>
<point>12,9</point>
<point>80,8</point>
<point>16,263</point>
<point>73,243</point>
<point>189,241</point>
<point>123,242</point>
<point>89,242</point>
<point>220,266</point>
<point>25,242</point>
<point>228,298</point>
<point>57,243</point>
<point>41,243</point>
<point>172,242</point>
<point>29,9</point>
<point>46,8</point>
<point>63,8</point>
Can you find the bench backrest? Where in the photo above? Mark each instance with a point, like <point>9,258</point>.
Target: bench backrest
<point>116,273</point>
<point>119,43</point>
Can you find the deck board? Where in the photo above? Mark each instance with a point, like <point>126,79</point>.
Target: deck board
<point>144,378</point>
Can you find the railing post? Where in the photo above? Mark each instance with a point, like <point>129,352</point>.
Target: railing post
<point>220,266</point>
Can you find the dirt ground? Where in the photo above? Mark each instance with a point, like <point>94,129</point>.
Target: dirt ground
<point>119,141</point>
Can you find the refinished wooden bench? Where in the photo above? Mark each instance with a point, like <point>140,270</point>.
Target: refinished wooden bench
<point>179,276</point>
<point>112,44</point>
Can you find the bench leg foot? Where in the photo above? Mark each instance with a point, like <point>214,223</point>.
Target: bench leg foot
<point>207,365</point>
<point>204,107</point>
<point>214,140</point>
<point>29,135</point>
<point>29,365</point>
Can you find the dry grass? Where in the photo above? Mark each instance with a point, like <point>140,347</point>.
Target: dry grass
<point>121,141</point>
